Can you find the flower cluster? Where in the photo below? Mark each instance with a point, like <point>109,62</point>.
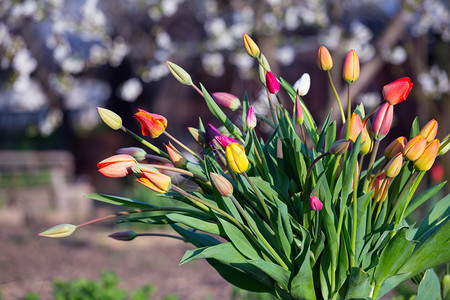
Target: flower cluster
<point>300,215</point>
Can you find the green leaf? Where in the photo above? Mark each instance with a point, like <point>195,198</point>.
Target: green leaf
<point>415,128</point>
<point>148,220</point>
<point>325,273</point>
<point>127,202</point>
<point>323,131</point>
<point>245,106</point>
<point>357,285</point>
<point>429,287</point>
<point>195,238</point>
<point>196,223</point>
<point>393,256</point>
<point>276,272</point>
<point>225,252</point>
<point>440,210</point>
<point>424,196</point>
<point>220,115</point>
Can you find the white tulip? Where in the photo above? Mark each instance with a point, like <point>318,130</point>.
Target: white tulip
<point>303,84</point>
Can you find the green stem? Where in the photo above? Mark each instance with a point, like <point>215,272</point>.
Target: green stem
<point>308,160</point>
<point>402,193</point>
<point>182,145</point>
<point>333,175</point>
<point>372,111</point>
<point>266,210</point>
<point>354,219</point>
<point>144,142</point>
<point>349,111</point>
<point>370,166</point>
<point>375,291</point>
<point>337,96</point>
<point>181,171</point>
<point>163,235</point>
<point>258,233</point>
<point>414,187</point>
<point>197,89</point>
<point>308,173</point>
<point>272,109</point>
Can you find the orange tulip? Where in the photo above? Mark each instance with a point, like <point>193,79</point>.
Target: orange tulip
<point>394,166</point>
<point>396,146</point>
<point>324,60</point>
<point>378,187</point>
<point>356,126</point>
<point>177,159</point>
<point>397,91</point>
<point>117,165</point>
<point>426,160</point>
<point>414,148</point>
<point>350,72</point>
<point>152,124</point>
<point>155,181</point>
<point>429,131</point>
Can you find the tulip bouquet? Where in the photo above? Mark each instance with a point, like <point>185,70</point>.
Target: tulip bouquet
<point>308,213</point>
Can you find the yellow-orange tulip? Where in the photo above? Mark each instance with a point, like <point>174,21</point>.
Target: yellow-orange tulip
<point>414,148</point>
<point>396,146</point>
<point>117,165</point>
<point>426,160</point>
<point>177,159</point>
<point>155,181</point>
<point>250,46</point>
<point>429,131</point>
<point>324,60</point>
<point>236,157</point>
<point>350,72</point>
<point>394,166</point>
<point>152,124</point>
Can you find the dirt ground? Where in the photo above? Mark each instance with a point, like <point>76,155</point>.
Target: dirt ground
<point>29,263</point>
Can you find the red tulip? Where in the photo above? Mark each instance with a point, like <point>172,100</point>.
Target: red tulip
<point>272,83</point>
<point>397,91</point>
<point>152,124</point>
<point>314,203</point>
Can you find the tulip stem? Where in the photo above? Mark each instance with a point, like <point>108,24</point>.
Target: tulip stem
<point>272,109</point>
<point>181,171</point>
<point>266,210</point>
<point>197,89</point>
<point>333,175</point>
<point>163,235</point>
<point>337,96</point>
<point>354,218</point>
<point>372,111</point>
<point>399,198</point>
<point>349,110</point>
<point>308,160</point>
<point>146,143</point>
<point>414,187</point>
<point>371,162</point>
<point>157,158</point>
<point>182,145</point>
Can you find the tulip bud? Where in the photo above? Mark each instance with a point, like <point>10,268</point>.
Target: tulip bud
<point>110,118</point>
<point>339,147</point>
<point>396,146</point>
<point>222,185</point>
<point>57,231</point>
<point>315,204</point>
<point>378,187</point>
<point>179,73</point>
<point>299,115</point>
<point>356,126</point>
<point>211,133</point>
<point>152,124</point>
<point>414,148</point>
<point>236,157</point>
<point>367,140</point>
<point>445,145</point>
<point>251,118</point>
<point>446,286</point>
<point>123,235</point>
<point>350,72</point>
<point>272,83</point>
<point>302,85</point>
<point>198,136</point>
<point>177,159</point>
<point>250,46</point>
<point>382,121</point>
<point>139,168</point>
<point>397,91</point>
<point>263,66</point>
<point>427,158</point>
<point>155,181</point>
<point>226,100</point>
<point>394,166</point>
<point>324,60</point>
<point>224,140</point>
<point>136,152</point>
<point>117,165</point>
<point>429,131</point>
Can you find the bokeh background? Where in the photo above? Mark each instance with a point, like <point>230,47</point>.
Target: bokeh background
<point>59,60</point>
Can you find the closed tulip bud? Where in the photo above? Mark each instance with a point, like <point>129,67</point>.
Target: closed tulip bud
<point>396,146</point>
<point>446,286</point>
<point>179,73</point>
<point>251,118</point>
<point>394,166</point>
<point>414,148</point>
<point>445,145</point>
<point>426,160</point>
<point>177,159</point>
<point>378,187</point>
<point>123,235</point>
<point>236,157</point>
<point>155,181</point>
<point>211,133</point>
<point>315,204</point>
<point>250,46</point>
<point>110,118</point>
<point>324,60</point>
<point>397,91</point>
<point>152,124</point>
<point>382,121</point>
<point>226,100</point>
<point>302,85</point>
<point>356,126</point>
<point>429,131</point>
<point>339,147</point>
<point>57,231</point>
<point>299,114</point>
<point>198,136</point>
<point>224,140</point>
<point>367,140</point>
<point>350,72</point>
<point>136,152</point>
<point>263,66</point>
<point>117,165</point>
<point>222,185</point>
<point>272,83</point>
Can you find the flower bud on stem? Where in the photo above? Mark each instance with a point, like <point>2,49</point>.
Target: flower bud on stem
<point>182,145</point>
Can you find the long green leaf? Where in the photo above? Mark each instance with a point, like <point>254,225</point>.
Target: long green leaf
<point>196,223</point>
<point>429,287</point>
<point>357,285</point>
<point>439,211</point>
<point>276,272</point>
<point>424,196</point>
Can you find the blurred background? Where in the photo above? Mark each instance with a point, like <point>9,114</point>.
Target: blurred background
<point>59,60</point>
